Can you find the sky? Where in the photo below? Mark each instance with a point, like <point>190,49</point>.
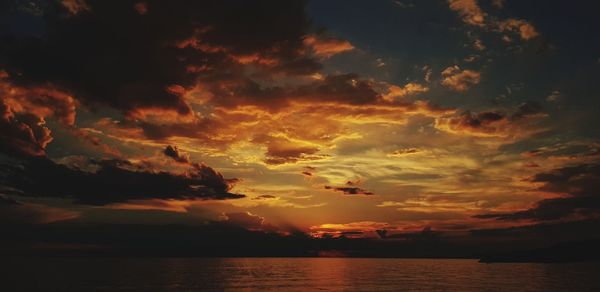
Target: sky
<point>332,118</point>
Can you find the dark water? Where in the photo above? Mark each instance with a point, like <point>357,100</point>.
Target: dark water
<point>290,274</point>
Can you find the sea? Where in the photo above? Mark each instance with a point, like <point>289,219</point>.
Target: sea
<point>290,274</point>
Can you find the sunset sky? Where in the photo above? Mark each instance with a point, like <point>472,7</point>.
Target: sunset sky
<point>328,117</point>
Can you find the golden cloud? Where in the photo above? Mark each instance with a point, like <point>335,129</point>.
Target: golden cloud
<point>469,10</point>
<point>326,46</point>
<point>457,80</point>
<point>522,27</point>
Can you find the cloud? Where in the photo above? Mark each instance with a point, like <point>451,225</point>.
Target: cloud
<point>358,228</point>
<point>7,201</point>
<point>568,151</point>
<point>580,187</point>
<point>340,88</point>
<point>494,123</point>
<point>396,92</point>
<point>472,14</point>
<point>457,80</point>
<point>522,27</point>
<point>111,181</point>
<point>75,6</point>
<point>264,197</point>
<point>41,101</point>
<point>206,72</point>
<point>404,151</point>
<point>173,152</point>
<point>244,219</point>
<point>488,123</point>
<point>23,134</point>
<point>350,189</point>
<point>431,204</point>
<point>23,116</point>
<point>528,109</point>
<point>469,10</point>
<point>555,95</point>
<point>93,55</point>
<point>280,150</point>
<point>247,221</point>
<point>14,212</point>
<point>21,213</point>
<point>498,3</point>
<point>580,180</point>
<point>308,171</point>
<point>301,131</point>
<point>327,46</point>
<point>141,8</point>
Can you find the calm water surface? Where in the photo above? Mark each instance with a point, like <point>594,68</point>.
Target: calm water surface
<point>290,274</point>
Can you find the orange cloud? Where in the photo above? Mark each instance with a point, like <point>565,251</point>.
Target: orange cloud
<point>395,92</point>
<point>326,47</point>
<point>403,152</point>
<point>247,220</point>
<point>525,29</point>
<point>457,80</point>
<point>24,112</point>
<point>280,150</point>
<point>43,102</point>
<point>469,10</point>
<point>24,134</point>
<point>352,229</point>
<point>471,13</point>
<point>75,6</point>
<point>141,8</point>
<point>29,213</point>
<point>180,206</point>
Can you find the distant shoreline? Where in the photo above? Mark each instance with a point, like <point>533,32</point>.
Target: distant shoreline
<point>515,257</point>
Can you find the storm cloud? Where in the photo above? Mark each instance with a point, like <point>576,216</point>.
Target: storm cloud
<point>110,181</point>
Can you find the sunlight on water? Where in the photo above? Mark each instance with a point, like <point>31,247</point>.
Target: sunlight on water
<point>292,274</point>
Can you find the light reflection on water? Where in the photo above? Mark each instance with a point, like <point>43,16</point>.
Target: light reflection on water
<point>291,274</point>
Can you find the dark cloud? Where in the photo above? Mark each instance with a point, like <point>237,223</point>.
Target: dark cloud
<point>580,180</point>
<point>342,88</point>
<point>350,190</point>
<point>161,131</point>
<point>581,183</point>
<point>382,233</point>
<point>308,171</point>
<point>498,123</point>
<point>7,201</point>
<point>264,197</point>
<point>127,56</point>
<point>22,134</point>
<point>173,152</point>
<point>528,108</point>
<point>111,181</point>
<point>470,120</point>
<point>245,219</point>
<point>14,212</point>
<point>351,234</point>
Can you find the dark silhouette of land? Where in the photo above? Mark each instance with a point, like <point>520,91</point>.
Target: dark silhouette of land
<point>565,242</point>
<point>560,253</point>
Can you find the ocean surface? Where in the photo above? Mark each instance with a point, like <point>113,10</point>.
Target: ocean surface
<point>290,274</point>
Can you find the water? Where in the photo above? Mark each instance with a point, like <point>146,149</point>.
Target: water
<point>290,274</point>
